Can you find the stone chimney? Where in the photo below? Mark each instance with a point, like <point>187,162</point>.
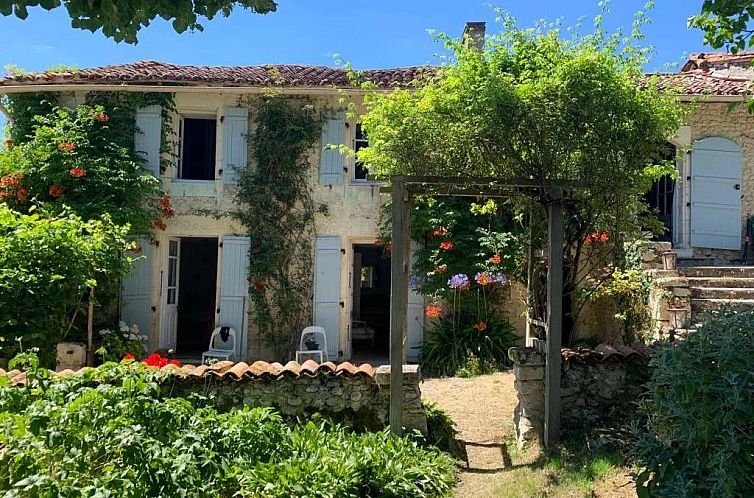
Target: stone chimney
<point>473,35</point>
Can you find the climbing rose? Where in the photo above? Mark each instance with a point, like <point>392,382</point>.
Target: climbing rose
<point>483,278</point>
<point>165,207</point>
<point>378,242</point>
<point>459,281</point>
<point>56,190</point>
<point>77,172</point>
<point>433,311</point>
<point>67,147</point>
<point>495,260</point>
<point>440,232</point>
<point>446,245</point>
<point>389,248</point>
<point>480,326</point>
<point>159,224</point>
<point>259,286</point>
<point>128,357</point>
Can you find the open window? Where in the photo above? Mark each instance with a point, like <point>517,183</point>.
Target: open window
<point>198,148</point>
<point>360,171</point>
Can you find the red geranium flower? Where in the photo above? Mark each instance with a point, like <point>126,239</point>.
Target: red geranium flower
<point>67,146</point>
<point>175,362</point>
<point>433,311</point>
<point>495,260</point>
<point>440,232</point>
<point>56,190</point>
<point>77,172</point>
<point>446,245</point>
<point>128,357</point>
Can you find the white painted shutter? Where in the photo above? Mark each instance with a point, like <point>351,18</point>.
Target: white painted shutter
<point>415,317</point>
<point>327,291</point>
<point>716,168</point>
<point>235,130</point>
<point>234,290</point>
<point>331,161</point>
<point>147,137</point>
<point>136,291</point>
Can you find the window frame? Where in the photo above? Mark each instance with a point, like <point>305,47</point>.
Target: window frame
<point>355,141</point>
<point>179,163</point>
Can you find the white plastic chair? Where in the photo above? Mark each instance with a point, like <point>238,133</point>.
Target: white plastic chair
<point>321,338</point>
<point>223,350</point>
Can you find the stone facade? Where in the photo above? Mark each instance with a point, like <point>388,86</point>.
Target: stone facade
<point>358,400</point>
<point>594,388</point>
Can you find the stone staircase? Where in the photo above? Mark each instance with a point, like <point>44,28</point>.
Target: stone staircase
<point>712,287</point>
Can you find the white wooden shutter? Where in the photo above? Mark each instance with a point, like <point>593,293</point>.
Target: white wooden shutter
<point>331,161</point>
<point>716,170</point>
<point>147,137</point>
<point>235,130</point>
<point>415,317</point>
<point>327,291</point>
<point>234,290</point>
<point>136,291</point>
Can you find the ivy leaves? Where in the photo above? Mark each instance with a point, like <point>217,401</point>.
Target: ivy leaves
<point>122,21</point>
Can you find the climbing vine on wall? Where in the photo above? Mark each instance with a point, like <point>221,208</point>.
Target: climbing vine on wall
<point>274,194</point>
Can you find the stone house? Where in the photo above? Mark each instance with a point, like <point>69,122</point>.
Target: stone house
<point>194,277</point>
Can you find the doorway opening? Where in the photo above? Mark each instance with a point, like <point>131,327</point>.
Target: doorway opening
<point>660,197</point>
<point>370,313</point>
<point>197,294</point>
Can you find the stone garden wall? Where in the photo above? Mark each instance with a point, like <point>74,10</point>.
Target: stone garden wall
<point>596,386</point>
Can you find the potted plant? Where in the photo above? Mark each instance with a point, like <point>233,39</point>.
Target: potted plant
<point>311,342</point>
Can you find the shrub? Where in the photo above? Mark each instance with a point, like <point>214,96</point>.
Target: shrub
<point>700,407</point>
<point>111,432</point>
<point>119,341</point>
<point>47,266</point>
<point>455,338</point>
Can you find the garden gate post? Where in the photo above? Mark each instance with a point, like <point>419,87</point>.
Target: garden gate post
<point>554,315</point>
<point>399,269</point>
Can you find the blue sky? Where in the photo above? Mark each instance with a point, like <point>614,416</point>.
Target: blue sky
<point>376,33</point>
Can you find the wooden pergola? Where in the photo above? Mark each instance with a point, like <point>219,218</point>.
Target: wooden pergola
<point>551,195</point>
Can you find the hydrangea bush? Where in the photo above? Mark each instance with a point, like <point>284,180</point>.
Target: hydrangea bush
<point>117,342</point>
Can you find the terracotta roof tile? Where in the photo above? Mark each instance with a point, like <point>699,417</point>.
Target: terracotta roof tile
<point>699,83</point>
<point>239,371</point>
<point>707,61</point>
<point>284,75</point>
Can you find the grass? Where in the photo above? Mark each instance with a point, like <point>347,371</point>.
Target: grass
<point>482,409</point>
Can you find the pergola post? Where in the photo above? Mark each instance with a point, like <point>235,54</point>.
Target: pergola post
<point>399,269</point>
<point>554,316</point>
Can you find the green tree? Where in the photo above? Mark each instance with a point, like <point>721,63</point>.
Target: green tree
<point>726,23</point>
<point>533,104</point>
<point>122,21</point>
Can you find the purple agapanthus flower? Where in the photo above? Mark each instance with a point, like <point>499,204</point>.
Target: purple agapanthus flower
<point>459,281</point>
<point>499,278</point>
<point>415,281</point>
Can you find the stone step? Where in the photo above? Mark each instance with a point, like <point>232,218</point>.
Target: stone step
<point>726,282</point>
<point>722,292</point>
<point>718,271</point>
<point>702,305</point>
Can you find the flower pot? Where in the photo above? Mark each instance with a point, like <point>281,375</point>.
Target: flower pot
<point>678,317</point>
<point>70,355</point>
<point>669,260</point>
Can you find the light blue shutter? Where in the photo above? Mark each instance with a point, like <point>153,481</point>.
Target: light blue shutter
<point>415,318</point>
<point>147,137</point>
<point>235,129</point>
<point>234,290</point>
<point>136,291</point>
<point>331,161</point>
<point>327,291</point>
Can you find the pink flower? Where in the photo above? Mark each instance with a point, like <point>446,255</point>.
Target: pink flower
<point>446,245</point>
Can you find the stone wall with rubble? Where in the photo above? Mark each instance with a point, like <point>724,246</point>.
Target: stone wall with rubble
<point>360,400</point>
<point>595,387</point>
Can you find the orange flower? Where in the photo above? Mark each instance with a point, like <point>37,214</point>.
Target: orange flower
<point>165,207</point>
<point>77,172</point>
<point>604,237</point>
<point>159,224</point>
<point>483,278</point>
<point>21,195</point>
<point>441,269</point>
<point>495,260</point>
<point>480,326</point>
<point>67,146</point>
<point>128,357</point>
<point>433,311</point>
<point>56,191</point>
<point>440,232</point>
<point>102,117</point>
<point>446,245</point>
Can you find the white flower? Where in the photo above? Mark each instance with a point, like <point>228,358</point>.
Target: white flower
<point>122,325</point>
<point>134,329</point>
<point>104,332</point>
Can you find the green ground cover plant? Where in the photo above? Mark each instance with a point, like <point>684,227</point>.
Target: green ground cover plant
<point>112,432</point>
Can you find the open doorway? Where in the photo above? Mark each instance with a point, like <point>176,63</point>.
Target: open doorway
<point>660,196</point>
<point>196,294</point>
<point>370,314</point>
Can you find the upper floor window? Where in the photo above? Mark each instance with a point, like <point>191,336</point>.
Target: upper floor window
<point>198,148</point>
<point>360,141</point>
